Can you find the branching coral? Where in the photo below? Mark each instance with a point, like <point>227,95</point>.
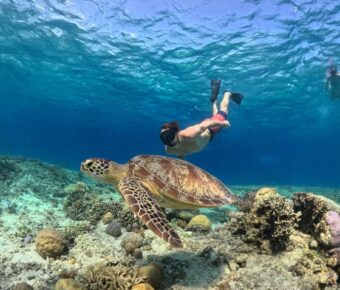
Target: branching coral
<point>112,277</point>
<point>268,217</point>
<point>312,210</point>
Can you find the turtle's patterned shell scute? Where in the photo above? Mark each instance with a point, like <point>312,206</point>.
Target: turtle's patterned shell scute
<point>180,181</point>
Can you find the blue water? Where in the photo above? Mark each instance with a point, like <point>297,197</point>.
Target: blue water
<point>98,78</point>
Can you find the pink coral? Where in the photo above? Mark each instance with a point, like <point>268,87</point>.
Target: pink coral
<point>332,218</point>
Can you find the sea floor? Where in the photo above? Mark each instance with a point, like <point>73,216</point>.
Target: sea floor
<point>34,196</point>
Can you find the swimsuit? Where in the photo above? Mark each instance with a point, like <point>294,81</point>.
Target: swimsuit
<point>220,116</point>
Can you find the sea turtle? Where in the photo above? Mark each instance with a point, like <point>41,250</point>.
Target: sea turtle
<point>149,182</point>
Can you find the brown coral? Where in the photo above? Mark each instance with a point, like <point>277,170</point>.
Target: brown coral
<point>49,243</point>
<point>312,209</point>
<point>268,217</point>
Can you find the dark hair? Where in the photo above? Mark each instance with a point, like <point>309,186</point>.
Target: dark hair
<point>168,133</point>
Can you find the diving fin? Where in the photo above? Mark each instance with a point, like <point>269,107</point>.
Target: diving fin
<point>236,98</point>
<point>215,88</point>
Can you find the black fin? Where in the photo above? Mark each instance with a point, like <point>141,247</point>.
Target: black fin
<point>237,98</point>
<point>215,88</point>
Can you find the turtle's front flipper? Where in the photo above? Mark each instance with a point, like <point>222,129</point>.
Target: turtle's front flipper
<point>145,206</point>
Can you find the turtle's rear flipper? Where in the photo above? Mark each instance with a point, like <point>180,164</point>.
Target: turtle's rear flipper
<point>236,97</point>
<point>145,207</point>
<point>215,88</point>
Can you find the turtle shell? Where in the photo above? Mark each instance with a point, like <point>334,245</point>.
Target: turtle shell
<point>179,183</point>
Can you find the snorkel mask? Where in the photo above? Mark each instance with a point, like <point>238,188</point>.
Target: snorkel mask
<point>168,137</point>
<point>168,133</point>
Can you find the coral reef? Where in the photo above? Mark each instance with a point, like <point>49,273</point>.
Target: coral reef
<point>49,243</point>
<point>314,268</point>
<point>83,204</point>
<point>111,276</point>
<point>199,223</point>
<point>312,209</point>
<point>32,200</point>
<point>268,220</point>
<point>74,229</point>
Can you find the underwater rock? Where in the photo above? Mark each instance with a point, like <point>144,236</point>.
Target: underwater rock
<point>107,218</point>
<point>23,286</point>
<point>200,223</point>
<point>69,284</point>
<point>268,220</point>
<point>151,274</point>
<point>131,242</point>
<point>49,243</point>
<point>114,229</point>
<point>143,286</point>
<point>109,276</point>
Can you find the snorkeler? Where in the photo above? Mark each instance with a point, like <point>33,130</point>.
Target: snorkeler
<point>333,83</point>
<point>195,138</point>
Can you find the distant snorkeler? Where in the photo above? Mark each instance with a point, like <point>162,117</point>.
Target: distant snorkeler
<point>195,138</point>
<point>333,83</point>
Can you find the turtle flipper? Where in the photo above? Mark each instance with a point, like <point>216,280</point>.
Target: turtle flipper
<point>145,206</point>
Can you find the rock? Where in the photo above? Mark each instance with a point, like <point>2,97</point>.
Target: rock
<point>152,274</point>
<point>23,286</point>
<point>114,229</point>
<point>107,218</point>
<point>199,223</point>
<point>69,284</point>
<point>49,243</point>
<point>142,286</point>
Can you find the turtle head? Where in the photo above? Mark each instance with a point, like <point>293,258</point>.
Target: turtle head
<point>101,169</point>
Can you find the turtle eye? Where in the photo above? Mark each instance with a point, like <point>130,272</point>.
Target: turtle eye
<point>88,163</point>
